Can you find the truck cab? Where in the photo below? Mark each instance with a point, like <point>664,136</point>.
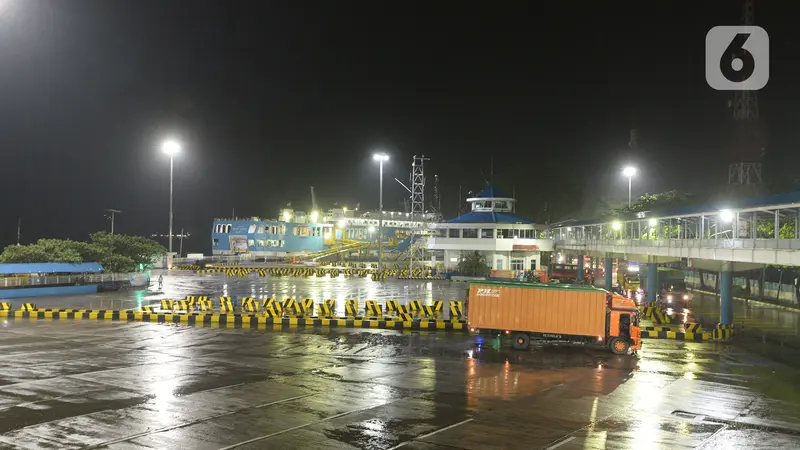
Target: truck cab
<point>624,331</point>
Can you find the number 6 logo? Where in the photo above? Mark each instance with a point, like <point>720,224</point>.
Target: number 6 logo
<point>737,58</point>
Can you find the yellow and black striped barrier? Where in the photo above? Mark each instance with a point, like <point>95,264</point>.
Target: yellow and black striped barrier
<point>651,328</point>
<point>392,306</point>
<point>372,309</point>
<point>456,310</point>
<point>656,315</point>
<point>351,308</point>
<point>304,307</point>
<point>272,307</point>
<point>723,332</point>
<point>326,308</point>
<point>249,304</point>
<point>677,335</point>
<point>205,305</point>
<point>360,272</point>
<point>236,320</point>
<point>690,327</point>
<point>226,305</point>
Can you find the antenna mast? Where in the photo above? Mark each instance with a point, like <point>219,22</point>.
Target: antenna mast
<point>748,143</point>
<point>436,205</point>
<point>417,207</point>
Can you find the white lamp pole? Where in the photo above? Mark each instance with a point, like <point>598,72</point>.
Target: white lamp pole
<point>629,172</point>
<point>171,148</point>
<point>380,157</point>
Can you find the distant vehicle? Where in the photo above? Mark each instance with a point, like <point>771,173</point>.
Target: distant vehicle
<point>675,294</point>
<point>566,313</point>
<point>566,272</point>
<point>631,284</point>
<point>672,288</point>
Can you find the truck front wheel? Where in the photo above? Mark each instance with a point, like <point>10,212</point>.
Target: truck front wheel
<point>619,346</point>
<point>520,341</point>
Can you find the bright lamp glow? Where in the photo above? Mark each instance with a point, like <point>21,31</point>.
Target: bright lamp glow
<point>726,215</point>
<point>629,171</point>
<point>371,229</point>
<point>380,157</point>
<point>171,147</point>
<point>314,216</point>
<point>286,216</point>
<point>616,225</point>
<point>342,223</point>
<point>652,222</point>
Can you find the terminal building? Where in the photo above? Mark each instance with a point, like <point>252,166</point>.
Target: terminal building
<point>492,227</point>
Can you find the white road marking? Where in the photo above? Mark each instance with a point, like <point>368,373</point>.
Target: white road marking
<point>204,419</point>
<point>277,433</point>
<point>431,433</point>
<point>560,443</point>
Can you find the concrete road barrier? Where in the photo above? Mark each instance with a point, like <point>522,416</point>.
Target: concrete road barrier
<point>677,335</point>
<point>237,320</point>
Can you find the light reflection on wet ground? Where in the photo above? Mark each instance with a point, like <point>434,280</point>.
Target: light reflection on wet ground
<point>179,284</point>
<point>141,385</point>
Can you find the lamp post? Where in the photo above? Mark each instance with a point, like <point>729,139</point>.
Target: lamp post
<point>380,157</point>
<point>629,172</point>
<point>171,148</point>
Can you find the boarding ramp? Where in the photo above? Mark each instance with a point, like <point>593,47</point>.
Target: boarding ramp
<point>336,249</point>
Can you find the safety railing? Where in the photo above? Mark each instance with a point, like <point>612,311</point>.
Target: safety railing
<point>767,244</point>
<point>50,280</point>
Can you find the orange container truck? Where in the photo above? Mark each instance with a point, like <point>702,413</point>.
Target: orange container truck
<point>580,314</point>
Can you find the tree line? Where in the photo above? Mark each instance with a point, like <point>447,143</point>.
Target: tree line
<point>115,252</point>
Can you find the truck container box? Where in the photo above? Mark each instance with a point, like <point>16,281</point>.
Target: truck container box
<point>540,308</point>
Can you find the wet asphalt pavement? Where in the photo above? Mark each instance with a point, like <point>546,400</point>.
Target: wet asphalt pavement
<point>73,384</point>
<point>178,284</point>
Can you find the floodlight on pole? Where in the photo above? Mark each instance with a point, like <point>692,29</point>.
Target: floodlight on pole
<point>381,158</point>
<point>171,148</point>
<point>629,171</point>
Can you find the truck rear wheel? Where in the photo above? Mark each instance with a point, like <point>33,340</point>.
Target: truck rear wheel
<point>619,346</point>
<point>520,341</point>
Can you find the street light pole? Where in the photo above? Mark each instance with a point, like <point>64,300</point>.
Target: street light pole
<point>171,148</point>
<point>629,172</point>
<point>113,213</point>
<point>380,157</point>
<point>380,219</point>
<point>171,163</point>
<point>630,183</point>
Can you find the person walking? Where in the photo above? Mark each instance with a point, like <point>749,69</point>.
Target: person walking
<point>797,290</point>
<point>161,281</point>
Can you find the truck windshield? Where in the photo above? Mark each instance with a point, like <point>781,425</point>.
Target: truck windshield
<point>677,285</point>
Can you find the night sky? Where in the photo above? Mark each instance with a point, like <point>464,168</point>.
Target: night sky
<point>270,97</point>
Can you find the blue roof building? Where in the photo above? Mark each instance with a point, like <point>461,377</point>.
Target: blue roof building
<point>508,240</point>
